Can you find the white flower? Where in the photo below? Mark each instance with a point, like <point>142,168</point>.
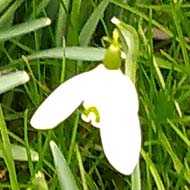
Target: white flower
<point>111,104</point>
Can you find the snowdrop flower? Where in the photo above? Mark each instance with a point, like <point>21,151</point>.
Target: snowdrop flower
<point>110,103</point>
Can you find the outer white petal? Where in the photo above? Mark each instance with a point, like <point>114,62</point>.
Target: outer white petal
<point>120,128</point>
<point>61,103</point>
<point>116,99</point>
<point>121,143</point>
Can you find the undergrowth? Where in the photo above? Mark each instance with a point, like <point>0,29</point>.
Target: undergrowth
<point>42,49</point>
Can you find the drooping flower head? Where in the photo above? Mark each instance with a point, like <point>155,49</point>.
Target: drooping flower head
<point>110,103</point>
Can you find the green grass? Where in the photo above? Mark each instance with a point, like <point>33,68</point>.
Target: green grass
<point>29,42</point>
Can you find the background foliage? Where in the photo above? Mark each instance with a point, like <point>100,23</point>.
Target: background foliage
<point>163,84</point>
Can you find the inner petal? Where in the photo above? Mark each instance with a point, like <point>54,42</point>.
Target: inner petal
<point>91,114</point>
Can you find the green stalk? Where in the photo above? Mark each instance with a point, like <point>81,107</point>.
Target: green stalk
<point>73,138</point>
<point>30,164</point>
<point>130,45</point>
<point>7,156</point>
<point>81,168</point>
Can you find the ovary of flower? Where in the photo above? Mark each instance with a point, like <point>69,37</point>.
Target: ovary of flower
<point>109,95</point>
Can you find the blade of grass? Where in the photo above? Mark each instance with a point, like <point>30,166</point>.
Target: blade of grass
<point>11,80</point>
<point>73,53</point>
<point>30,164</point>
<point>179,133</point>
<point>60,26</point>
<point>62,21</point>
<point>91,24</point>
<point>153,170</point>
<point>41,6</point>
<point>43,147</point>
<point>19,153</point>
<point>6,150</point>
<point>4,4</point>
<point>32,87</point>
<point>159,73</point>
<point>73,137</point>
<point>177,20</point>
<point>177,163</point>
<point>7,17</point>
<point>136,179</point>
<point>66,178</point>
<point>81,168</point>
<point>63,62</point>
<point>73,30</point>
<point>24,28</point>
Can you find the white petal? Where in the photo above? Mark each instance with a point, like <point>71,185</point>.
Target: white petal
<point>115,97</point>
<point>110,88</point>
<point>121,143</point>
<point>61,103</point>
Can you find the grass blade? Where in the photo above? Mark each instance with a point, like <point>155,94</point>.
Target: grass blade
<point>91,24</point>
<point>153,170</point>
<point>11,80</point>
<point>19,153</point>
<point>136,179</point>
<point>81,168</point>
<point>73,53</point>
<point>24,28</point>
<point>6,150</point>
<point>66,179</point>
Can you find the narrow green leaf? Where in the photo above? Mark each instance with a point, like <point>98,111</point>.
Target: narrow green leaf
<point>73,30</point>
<point>165,143</point>
<point>179,133</point>
<point>81,168</point>
<point>4,4</point>
<point>11,80</point>
<point>178,165</point>
<point>163,63</point>
<point>24,28</point>
<point>91,24</point>
<point>8,16</point>
<point>62,21</point>
<point>153,170</point>
<point>136,179</point>
<point>73,53</point>
<point>41,6</point>
<point>6,151</point>
<point>176,15</point>
<point>19,153</point>
<point>66,179</point>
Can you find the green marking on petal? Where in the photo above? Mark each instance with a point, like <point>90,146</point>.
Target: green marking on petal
<point>94,110</point>
<point>112,59</point>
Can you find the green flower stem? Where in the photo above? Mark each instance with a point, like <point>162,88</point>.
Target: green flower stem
<point>130,45</point>
<point>6,149</point>
<point>26,140</point>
